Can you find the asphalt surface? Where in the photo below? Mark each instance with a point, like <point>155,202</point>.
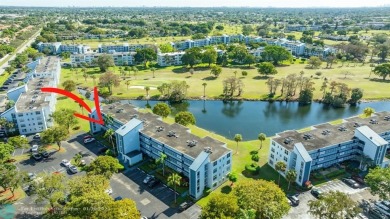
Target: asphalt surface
<point>152,202</point>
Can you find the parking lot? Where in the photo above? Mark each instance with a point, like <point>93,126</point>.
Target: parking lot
<point>301,210</point>
<point>152,202</point>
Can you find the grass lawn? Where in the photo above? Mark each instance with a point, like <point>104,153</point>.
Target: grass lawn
<point>6,196</point>
<point>255,87</point>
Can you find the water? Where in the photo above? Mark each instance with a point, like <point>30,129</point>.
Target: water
<point>250,118</point>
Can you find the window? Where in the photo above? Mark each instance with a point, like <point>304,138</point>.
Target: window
<point>286,152</point>
<point>215,170</point>
<point>285,159</point>
<point>272,155</point>
<point>273,149</point>
<point>38,113</point>
<point>228,162</point>
<point>228,155</point>
<point>215,163</point>
<point>214,177</point>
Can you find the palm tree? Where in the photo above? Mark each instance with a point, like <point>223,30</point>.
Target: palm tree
<point>77,158</point>
<point>85,77</point>
<point>237,138</point>
<point>128,83</point>
<point>291,176</point>
<point>93,78</point>
<point>261,138</point>
<point>280,166</point>
<point>365,161</point>
<point>153,69</point>
<point>110,135</point>
<point>235,74</point>
<point>76,71</point>
<point>204,89</point>
<point>174,180</point>
<point>147,89</point>
<point>161,160</point>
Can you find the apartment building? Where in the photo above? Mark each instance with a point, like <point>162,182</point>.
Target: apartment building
<point>120,58</point>
<point>205,162</point>
<point>58,48</point>
<point>318,51</point>
<point>125,47</point>
<point>297,48</point>
<point>169,59</point>
<point>32,109</point>
<point>52,48</point>
<point>326,145</point>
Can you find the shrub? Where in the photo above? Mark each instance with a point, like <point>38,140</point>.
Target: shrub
<point>252,168</point>
<point>244,73</point>
<point>303,59</point>
<point>255,157</point>
<point>318,73</point>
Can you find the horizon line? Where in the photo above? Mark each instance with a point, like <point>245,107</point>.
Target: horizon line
<point>263,7</point>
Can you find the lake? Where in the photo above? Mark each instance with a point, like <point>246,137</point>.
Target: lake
<point>250,118</point>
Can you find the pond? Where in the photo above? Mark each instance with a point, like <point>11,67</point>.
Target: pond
<point>250,118</point>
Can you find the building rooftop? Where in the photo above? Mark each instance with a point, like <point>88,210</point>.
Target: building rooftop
<point>176,136</point>
<point>373,136</point>
<point>33,98</point>
<point>324,135</point>
<point>47,64</point>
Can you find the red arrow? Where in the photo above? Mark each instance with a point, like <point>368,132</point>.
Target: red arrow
<point>79,100</point>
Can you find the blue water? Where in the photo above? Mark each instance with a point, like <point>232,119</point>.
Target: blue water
<point>250,118</point>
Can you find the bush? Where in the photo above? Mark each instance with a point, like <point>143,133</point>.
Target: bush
<point>76,127</point>
<point>244,73</point>
<point>303,59</point>
<point>207,191</point>
<point>318,73</point>
<point>255,157</point>
<point>252,168</point>
<point>110,153</point>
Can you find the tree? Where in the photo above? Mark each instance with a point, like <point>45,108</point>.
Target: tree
<point>267,68</point>
<point>51,188</point>
<point>6,151</point>
<point>128,82</point>
<point>7,173</point>
<point>162,109</point>
<point>18,142</point>
<point>249,60</point>
<point>266,198</point>
<point>219,27</point>
<point>145,55</point>
<point>291,176</point>
<point>105,166</point>
<point>104,61</point>
<point>69,85</point>
<point>10,104</point>
<point>305,96</point>
<point>239,53</point>
<point>109,134</point>
<point>231,85</point>
<point>280,166</point>
<point>220,205</point>
<point>153,69</point>
<point>185,118</point>
<point>80,185</point>
<point>378,179</point>
<point>147,89</point>
<point>85,77</point>
<point>54,134</point>
<point>314,62</point>
<point>95,204</point>
<point>356,95</point>
<point>174,180</point>
<point>93,79</point>
<point>65,118</point>
<point>232,178</point>
<point>77,158</point>
<point>166,48</point>
<point>109,80</point>
<point>178,91</point>
<point>192,57</point>
<point>368,111</point>
<point>382,70</point>
<point>247,30</point>
<point>204,89</point>
<point>216,70</point>
<point>261,138</point>
<point>335,205</point>
<point>209,56</point>
<point>237,138</point>
<point>117,209</point>
<point>276,54</point>
<point>161,160</point>
<point>4,123</point>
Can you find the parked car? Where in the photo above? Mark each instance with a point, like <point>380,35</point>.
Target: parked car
<point>88,140</point>
<point>294,199</point>
<point>30,190</point>
<point>23,136</point>
<point>82,163</point>
<point>65,163</point>
<point>289,201</point>
<point>34,148</point>
<point>154,182</point>
<point>108,191</point>
<point>45,154</point>
<point>147,179</point>
<point>316,192</point>
<point>184,206</point>
<point>31,176</point>
<point>72,169</point>
<point>358,179</point>
<point>36,156</point>
<point>352,183</point>
<point>118,198</point>
<point>87,136</point>
<point>37,136</point>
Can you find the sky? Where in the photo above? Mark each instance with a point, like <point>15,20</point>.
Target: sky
<point>197,3</point>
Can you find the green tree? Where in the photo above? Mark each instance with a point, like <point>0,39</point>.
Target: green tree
<point>220,205</point>
<point>104,61</point>
<point>382,70</point>
<point>54,134</point>
<point>276,54</point>
<point>204,89</point>
<point>80,185</point>
<point>6,151</point>
<point>145,55</point>
<point>69,85</point>
<point>128,82</point>
<point>7,172</point>
<point>314,62</point>
<point>237,138</point>
<point>335,205</point>
<point>162,109</point>
<point>185,118</point>
<point>266,198</point>
<point>261,138</point>
<point>239,53</point>
<point>161,160</point>
<point>109,134</point>
<point>153,69</point>
<point>51,188</point>
<point>267,68</point>
<point>147,89</point>
<point>291,176</point>
<point>232,178</point>
<point>65,118</point>
<point>6,124</point>
<point>249,60</point>
<point>94,205</point>
<point>192,57</point>
<point>77,158</point>
<point>209,56</point>
<point>368,111</point>
<point>247,29</point>
<point>174,180</point>
<point>166,48</point>
<point>305,96</point>
<point>117,209</point>
<point>109,80</point>
<point>93,79</point>
<point>85,76</point>
<point>216,70</point>
<point>105,166</point>
<point>280,166</point>
<point>18,142</point>
<point>356,95</point>
<point>378,179</point>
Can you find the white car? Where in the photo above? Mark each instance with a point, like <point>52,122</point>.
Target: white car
<point>23,136</point>
<point>34,148</point>
<point>147,179</point>
<point>37,135</point>
<point>108,191</point>
<point>65,163</point>
<point>88,140</point>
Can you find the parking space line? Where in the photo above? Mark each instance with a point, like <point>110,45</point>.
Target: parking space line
<point>22,151</point>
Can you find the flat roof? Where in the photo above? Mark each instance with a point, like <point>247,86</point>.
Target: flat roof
<point>128,127</point>
<point>162,132</point>
<point>33,98</point>
<point>326,134</point>
<point>47,64</point>
<point>373,136</point>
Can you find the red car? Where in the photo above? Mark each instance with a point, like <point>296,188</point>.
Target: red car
<point>87,136</point>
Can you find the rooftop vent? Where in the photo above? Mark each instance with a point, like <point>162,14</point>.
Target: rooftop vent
<point>111,107</point>
<point>325,132</point>
<point>119,110</point>
<point>387,118</point>
<point>172,134</point>
<point>208,150</point>
<point>192,143</point>
<point>159,129</point>
<point>307,136</point>
<point>134,116</point>
<point>342,129</point>
<point>357,125</point>
<point>288,140</point>
<point>373,121</point>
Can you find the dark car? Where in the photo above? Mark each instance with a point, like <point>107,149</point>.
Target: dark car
<point>30,190</point>
<point>294,200</point>
<point>72,169</point>
<point>45,154</point>
<point>316,193</point>
<point>352,183</point>
<point>36,156</point>
<point>358,179</point>
<point>118,198</point>
<point>102,150</point>
<point>184,206</point>
<point>154,182</point>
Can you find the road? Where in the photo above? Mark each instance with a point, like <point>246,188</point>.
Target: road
<point>19,50</point>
